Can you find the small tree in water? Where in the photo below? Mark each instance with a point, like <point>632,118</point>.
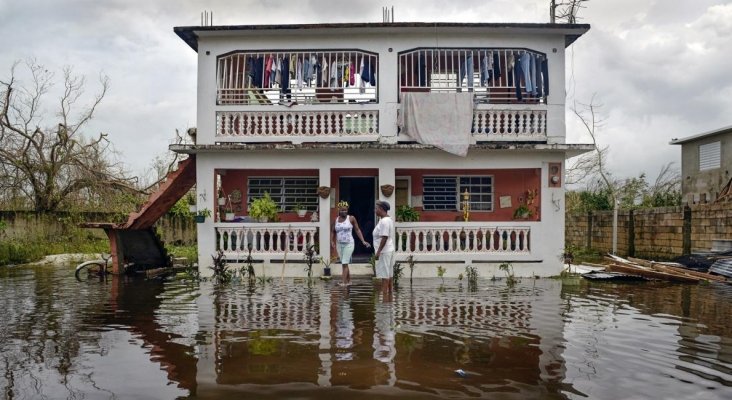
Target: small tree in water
<point>472,274</point>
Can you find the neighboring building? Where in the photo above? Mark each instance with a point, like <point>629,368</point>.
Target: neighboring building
<point>417,114</point>
<point>706,163</point>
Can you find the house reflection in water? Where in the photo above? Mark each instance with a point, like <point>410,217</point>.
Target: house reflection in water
<point>329,336</point>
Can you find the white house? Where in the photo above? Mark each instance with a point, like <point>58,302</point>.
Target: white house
<point>427,115</point>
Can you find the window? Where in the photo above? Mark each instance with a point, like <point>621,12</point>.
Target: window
<point>402,197</point>
<point>709,156</point>
<point>443,193</point>
<point>287,192</point>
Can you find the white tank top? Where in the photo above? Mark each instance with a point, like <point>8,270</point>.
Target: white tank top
<point>343,230</point>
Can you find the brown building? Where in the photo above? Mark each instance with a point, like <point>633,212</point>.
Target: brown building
<point>706,163</point>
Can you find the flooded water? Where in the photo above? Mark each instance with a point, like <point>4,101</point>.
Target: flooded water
<point>61,339</point>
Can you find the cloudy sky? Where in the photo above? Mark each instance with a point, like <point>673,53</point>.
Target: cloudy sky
<point>660,68</point>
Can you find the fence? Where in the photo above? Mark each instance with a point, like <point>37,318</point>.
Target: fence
<point>22,224</point>
<point>658,233</point>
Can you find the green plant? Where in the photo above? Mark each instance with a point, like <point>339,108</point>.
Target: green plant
<point>248,268</point>
<point>311,257</point>
<point>297,207</point>
<point>264,208</point>
<point>507,269</point>
<point>205,212</point>
<point>221,273</point>
<point>411,263</point>
<point>522,212</point>
<point>406,213</point>
<point>398,273</point>
<point>441,273</point>
<point>472,274</point>
<point>372,263</point>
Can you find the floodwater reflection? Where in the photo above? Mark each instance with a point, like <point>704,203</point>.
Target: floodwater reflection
<point>540,339</point>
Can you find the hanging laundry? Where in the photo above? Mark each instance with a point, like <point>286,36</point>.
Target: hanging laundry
<point>298,73</point>
<point>511,62</point>
<point>496,66</point>
<point>545,75</point>
<point>525,60</point>
<point>466,71</point>
<point>258,78</point>
<point>351,75</point>
<point>285,73</point>
<point>267,71</point>
<point>532,74</point>
<point>518,73</point>
<point>306,70</point>
<point>421,71</point>
<point>486,68</point>
<point>538,84</point>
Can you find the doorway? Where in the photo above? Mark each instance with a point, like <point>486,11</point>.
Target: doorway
<point>360,193</point>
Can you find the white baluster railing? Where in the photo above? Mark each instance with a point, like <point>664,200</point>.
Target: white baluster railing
<point>495,124</point>
<point>458,238</point>
<point>264,238</point>
<point>296,125</point>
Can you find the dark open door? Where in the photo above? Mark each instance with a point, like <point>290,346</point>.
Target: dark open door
<point>360,193</point>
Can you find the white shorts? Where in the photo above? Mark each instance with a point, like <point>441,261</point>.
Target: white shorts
<point>384,267</point>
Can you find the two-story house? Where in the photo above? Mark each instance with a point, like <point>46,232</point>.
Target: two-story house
<point>462,122</point>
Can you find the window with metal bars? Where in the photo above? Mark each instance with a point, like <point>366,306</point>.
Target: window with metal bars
<point>444,193</point>
<point>287,192</point>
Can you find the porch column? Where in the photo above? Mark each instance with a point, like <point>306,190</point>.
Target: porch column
<point>324,213</point>
<point>205,199</point>
<point>387,177</point>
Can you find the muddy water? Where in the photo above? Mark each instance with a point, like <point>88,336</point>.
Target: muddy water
<point>546,338</point>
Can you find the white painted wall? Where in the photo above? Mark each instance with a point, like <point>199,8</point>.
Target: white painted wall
<point>212,45</point>
<point>547,235</point>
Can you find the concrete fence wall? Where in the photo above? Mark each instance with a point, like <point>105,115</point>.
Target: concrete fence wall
<point>24,224</point>
<point>658,233</point>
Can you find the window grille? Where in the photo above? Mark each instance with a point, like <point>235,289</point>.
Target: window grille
<point>443,193</point>
<point>287,192</point>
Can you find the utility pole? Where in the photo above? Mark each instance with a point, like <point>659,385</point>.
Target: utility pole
<point>552,11</point>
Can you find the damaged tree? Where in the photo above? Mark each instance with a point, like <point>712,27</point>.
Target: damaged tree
<point>46,161</point>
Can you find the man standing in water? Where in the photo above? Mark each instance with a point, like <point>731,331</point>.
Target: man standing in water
<point>384,246</point>
<point>342,238</point>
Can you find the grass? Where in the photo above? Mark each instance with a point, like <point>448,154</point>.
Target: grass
<point>29,249</point>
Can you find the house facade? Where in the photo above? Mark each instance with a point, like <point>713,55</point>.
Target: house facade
<point>462,123</point>
<point>706,162</point>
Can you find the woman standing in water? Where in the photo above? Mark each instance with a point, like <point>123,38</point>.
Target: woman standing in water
<point>384,246</point>
<point>342,238</point>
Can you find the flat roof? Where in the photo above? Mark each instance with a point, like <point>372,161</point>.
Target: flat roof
<point>701,135</point>
<point>572,32</point>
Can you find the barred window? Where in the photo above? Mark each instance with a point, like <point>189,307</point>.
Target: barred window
<point>287,192</point>
<point>443,193</point>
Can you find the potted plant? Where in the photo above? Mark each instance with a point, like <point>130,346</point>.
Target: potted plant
<point>191,203</point>
<point>264,209</point>
<point>406,213</point>
<point>522,212</point>
<point>300,210</point>
<point>201,215</point>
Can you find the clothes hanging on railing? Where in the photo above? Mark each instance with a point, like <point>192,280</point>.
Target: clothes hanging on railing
<point>496,67</point>
<point>486,68</point>
<point>526,69</point>
<point>517,75</point>
<point>545,75</point>
<point>466,70</point>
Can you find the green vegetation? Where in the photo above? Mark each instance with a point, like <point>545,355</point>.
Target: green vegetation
<point>406,213</point>
<point>264,208</point>
<point>472,274</point>
<point>33,244</point>
<point>507,269</point>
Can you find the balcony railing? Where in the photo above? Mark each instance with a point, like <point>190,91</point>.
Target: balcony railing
<point>264,238</point>
<point>496,124</point>
<point>297,126</point>
<point>505,75</point>
<point>301,76</point>
<point>461,237</point>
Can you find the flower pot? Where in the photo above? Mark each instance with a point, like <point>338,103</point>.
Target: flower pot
<point>222,201</point>
<point>199,218</point>
<point>301,213</point>
<point>326,271</point>
<point>229,216</point>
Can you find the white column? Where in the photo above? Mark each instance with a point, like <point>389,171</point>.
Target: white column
<point>387,177</point>
<point>205,199</point>
<point>324,213</point>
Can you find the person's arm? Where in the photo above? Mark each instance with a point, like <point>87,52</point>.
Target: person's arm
<point>381,245</point>
<point>358,231</point>
<point>332,236</point>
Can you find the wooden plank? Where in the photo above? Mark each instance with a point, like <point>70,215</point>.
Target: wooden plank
<point>675,268</point>
<point>651,274</point>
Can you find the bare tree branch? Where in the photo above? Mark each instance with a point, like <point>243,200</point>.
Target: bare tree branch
<point>50,166</point>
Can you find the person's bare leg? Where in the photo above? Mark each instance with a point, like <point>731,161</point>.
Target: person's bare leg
<point>346,275</point>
